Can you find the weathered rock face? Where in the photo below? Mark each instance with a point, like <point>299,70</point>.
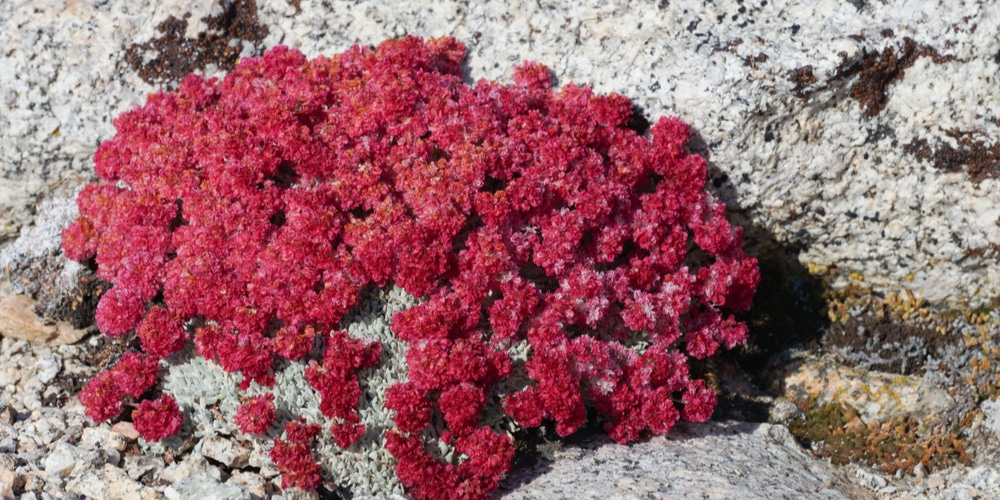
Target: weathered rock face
<point>49,288</point>
<point>858,132</point>
<point>711,460</point>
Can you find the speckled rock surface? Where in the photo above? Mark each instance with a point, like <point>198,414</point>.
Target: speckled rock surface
<point>715,460</point>
<point>859,132</point>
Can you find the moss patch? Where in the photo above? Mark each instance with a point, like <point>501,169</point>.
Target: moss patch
<point>834,430</point>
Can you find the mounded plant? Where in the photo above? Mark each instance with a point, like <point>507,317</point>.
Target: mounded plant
<point>559,259</point>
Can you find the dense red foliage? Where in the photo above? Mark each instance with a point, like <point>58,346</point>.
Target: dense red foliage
<point>257,415</point>
<point>263,204</point>
<point>294,458</point>
<point>157,419</point>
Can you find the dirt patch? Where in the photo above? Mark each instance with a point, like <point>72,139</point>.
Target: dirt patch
<point>753,61</point>
<point>99,353</point>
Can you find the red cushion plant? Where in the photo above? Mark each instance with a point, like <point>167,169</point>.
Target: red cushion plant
<point>248,214</point>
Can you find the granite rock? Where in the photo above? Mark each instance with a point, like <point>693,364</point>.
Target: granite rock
<point>225,451</point>
<point>205,486</point>
<point>63,459</point>
<point>18,321</point>
<point>710,460</point>
<point>253,484</point>
<point>111,483</point>
<point>876,396</point>
<point>194,465</point>
<point>56,297</point>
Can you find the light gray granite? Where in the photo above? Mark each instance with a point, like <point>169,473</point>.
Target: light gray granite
<point>714,460</point>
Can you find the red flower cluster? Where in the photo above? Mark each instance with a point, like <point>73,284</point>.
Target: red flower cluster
<point>294,458</point>
<point>262,204</point>
<point>133,375</point>
<point>336,381</point>
<point>257,415</point>
<point>157,419</point>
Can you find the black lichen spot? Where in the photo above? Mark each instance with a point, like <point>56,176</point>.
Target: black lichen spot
<point>881,131</point>
<point>858,4</point>
<point>168,59</point>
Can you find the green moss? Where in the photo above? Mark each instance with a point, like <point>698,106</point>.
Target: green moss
<point>834,430</point>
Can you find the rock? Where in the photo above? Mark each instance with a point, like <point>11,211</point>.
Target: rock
<point>47,427</point>
<point>784,412</point>
<point>17,320</point>
<point>8,472</point>
<point>260,459</point>
<point>141,465</point>
<point>94,438</point>
<point>192,465</point>
<point>8,438</point>
<point>7,415</point>
<point>62,459</point>
<point>110,483</point>
<point>9,375</point>
<point>126,430</point>
<point>204,486</point>
<point>47,366</point>
<point>226,451</point>
<point>876,396</point>
<point>710,460</point>
<point>103,440</point>
<point>297,494</point>
<point>254,485</point>
<point>806,133</point>
<point>870,480</point>
<point>33,482</point>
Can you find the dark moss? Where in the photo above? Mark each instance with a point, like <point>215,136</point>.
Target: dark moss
<point>802,78</point>
<point>877,70</point>
<point>169,58</point>
<point>974,154</point>
<point>884,344</point>
<point>835,431</point>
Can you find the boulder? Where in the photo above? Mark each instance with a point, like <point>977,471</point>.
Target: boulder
<point>709,460</point>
